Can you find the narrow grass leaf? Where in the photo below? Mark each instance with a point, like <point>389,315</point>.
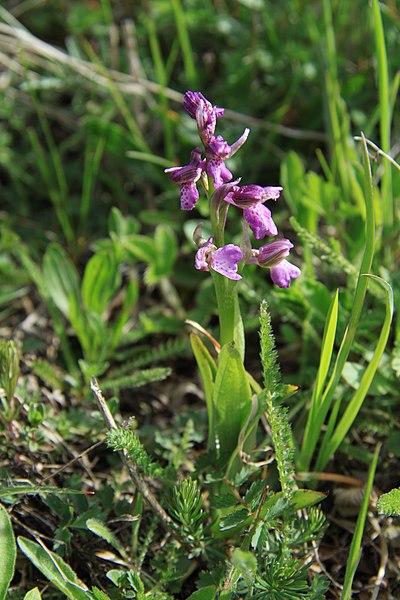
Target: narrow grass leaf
<point>354,318</point>
<point>331,444</point>
<point>384,114</point>
<point>93,153</point>
<point>327,346</point>
<point>7,552</point>
<point>137,135</point>
<point>162,78</point>
<point>316,417</point>
<point>33,490</point>
<point>355,548</point>
<point>184,40</point>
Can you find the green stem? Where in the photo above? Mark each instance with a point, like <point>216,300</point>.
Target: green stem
<point>230,319</point>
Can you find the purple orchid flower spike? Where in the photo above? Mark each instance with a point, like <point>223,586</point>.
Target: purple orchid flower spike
<point>217,151</point>
<point>206,115</point>
<point>186,177</point>
<point>224,260</point>
<point>273,256</point>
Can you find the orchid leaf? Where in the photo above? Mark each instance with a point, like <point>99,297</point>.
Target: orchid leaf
<point>232,398</point>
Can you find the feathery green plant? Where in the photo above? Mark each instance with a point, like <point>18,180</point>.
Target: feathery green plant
<point>273,394</point>
<point>124,439</point>
<point>186,507</point>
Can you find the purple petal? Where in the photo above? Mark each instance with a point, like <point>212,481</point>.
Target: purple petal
<point>283,273</point>
<point>219,146</point>
<point>189,195</point>
<point>224,191</point>
<point>239,142</point>
<point>188,173</point>
<point>225,261</point>
<point>206,115</point>
<point>217,169</point>
<point>273,253</point>
<point>191,101</point>
<point>202,255</point>
<point>260,221</point>
<point>249,195</point>
<point>272,192</point>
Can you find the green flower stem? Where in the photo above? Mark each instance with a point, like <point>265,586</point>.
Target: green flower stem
<point>230,319</point>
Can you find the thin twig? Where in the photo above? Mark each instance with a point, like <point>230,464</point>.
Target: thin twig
<point>74,460</point>
<point>379,151</point>
<point>141,485</point>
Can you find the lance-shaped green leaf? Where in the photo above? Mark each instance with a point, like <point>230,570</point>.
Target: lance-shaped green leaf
<point>61,278</point>
<point>100,281</point>
<point>7,552</point>
<point>102,531</point>
<point>208,371</point>
<point>55,569</point>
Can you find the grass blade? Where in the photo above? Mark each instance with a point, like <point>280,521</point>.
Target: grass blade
<point>316,417</point>
<point>184,40</point>
<point>332,443</point>
<point>355,548</point>
<point>355,314</point>
<point>93,153</point>
<point>384,113</point>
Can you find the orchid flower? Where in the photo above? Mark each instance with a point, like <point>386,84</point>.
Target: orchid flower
<point>186,177</point>
<point>273,256</point>
<point>224,260</point>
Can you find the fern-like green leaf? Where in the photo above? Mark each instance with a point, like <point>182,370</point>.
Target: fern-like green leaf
<point>147,355</point>
<point>51,376</point>
<point>136,379</point>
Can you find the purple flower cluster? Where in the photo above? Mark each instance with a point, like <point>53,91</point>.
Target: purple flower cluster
<point>249,198</point>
